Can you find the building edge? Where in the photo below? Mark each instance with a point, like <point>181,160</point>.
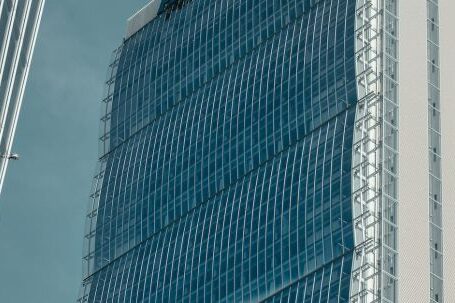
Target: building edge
<point>4,160</point>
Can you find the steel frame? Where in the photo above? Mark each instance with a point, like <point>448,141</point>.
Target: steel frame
<point>375,152</point>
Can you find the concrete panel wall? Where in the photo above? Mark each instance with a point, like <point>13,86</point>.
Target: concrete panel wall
<point>447,35</point>
<point>414,260</point>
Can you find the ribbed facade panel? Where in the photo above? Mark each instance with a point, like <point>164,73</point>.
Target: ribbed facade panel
<point>435,155</point>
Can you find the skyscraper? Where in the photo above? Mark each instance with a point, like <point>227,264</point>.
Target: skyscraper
<point>19,23</point>
<point>249,153</point>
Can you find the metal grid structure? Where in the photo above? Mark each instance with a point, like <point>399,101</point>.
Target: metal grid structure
<point>106,105</point>
<point>104,144</point>
<point>375,154</point>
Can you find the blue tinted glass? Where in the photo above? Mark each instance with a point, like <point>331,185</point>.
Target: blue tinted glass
<point>227,173</point>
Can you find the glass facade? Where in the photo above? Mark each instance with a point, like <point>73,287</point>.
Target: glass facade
<point>230,155</point>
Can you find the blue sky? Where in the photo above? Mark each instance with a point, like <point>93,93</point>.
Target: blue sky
<point>43,204</point>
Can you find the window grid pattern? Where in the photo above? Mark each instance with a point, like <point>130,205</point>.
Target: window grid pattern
<point>250,239</point>
<point>197,44</point>
<point>254,110</point>
<point>196,146</point>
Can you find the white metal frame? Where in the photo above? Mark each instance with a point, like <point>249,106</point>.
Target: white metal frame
<point>375,149</point>
<point>10,107</point>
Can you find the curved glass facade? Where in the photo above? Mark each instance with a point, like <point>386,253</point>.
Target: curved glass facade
<point>226,165</point>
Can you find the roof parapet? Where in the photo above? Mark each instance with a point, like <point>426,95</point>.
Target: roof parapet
<point>142,17</point>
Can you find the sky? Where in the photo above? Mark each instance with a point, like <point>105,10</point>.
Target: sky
<point>45,195</point>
